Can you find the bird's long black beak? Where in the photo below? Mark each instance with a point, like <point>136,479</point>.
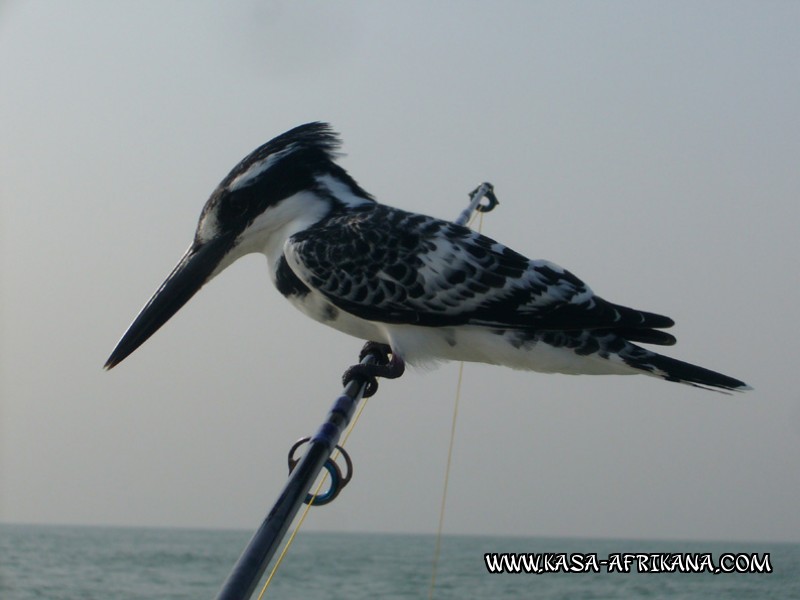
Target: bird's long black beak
<point>194,269</point>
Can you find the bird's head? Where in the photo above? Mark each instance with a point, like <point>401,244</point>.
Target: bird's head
<point>281,187</point>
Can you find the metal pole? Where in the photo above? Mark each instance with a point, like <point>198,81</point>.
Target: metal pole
<point>253,561</point>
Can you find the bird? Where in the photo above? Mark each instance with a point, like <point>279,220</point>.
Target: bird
<point>422,289</point>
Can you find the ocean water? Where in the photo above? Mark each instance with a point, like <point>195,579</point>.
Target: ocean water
<point>61,563</point>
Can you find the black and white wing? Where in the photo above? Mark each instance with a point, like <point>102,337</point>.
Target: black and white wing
<point>387,265</point>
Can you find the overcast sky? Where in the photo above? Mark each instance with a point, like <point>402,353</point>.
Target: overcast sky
<point>650,148</point>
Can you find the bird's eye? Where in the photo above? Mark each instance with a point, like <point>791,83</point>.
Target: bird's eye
<point>237,204</point>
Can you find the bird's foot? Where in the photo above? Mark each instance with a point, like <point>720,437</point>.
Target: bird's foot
<point>389,365</point>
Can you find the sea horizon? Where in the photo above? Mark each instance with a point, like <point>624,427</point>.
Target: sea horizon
<point>91,561</point>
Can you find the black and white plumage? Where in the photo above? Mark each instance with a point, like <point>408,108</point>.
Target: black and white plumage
<point>430,289</point>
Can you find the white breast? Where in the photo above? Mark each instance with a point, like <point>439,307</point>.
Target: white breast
<point>316,306</point>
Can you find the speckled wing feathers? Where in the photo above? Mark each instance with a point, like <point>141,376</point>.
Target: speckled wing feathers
<point>388,265</point>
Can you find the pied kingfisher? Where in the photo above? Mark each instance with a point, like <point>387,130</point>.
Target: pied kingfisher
<point>428,289</point>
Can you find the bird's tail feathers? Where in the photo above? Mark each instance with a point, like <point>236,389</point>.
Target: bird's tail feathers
<point>646,336</point>
<point>672,369</point>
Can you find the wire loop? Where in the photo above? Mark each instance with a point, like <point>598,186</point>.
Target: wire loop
<point>338,480</point>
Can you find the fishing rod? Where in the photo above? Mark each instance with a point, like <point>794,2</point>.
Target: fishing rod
<point>255,558</point>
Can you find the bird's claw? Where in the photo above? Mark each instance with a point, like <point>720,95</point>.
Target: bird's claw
<point>387,365</point>
<point>380,351</point>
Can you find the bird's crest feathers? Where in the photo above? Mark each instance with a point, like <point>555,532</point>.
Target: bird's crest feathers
<point>316,136</point>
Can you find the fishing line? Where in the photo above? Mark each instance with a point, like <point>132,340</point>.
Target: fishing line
<point>316,492</point>
<point>438,548</point>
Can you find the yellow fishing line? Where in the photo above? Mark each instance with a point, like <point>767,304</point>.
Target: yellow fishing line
<point>438,549</point>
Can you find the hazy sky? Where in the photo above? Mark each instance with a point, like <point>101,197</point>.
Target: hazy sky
<point>651,148</point>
